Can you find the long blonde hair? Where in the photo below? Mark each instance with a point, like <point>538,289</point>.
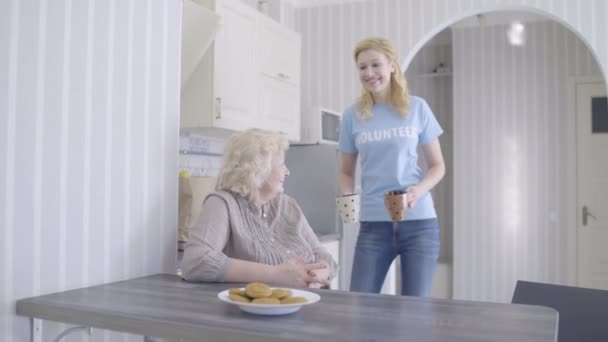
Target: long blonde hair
<point>248,160</point>
<point>400,97</point>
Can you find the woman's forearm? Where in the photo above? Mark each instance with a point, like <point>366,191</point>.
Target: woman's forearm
<point>242,271</point>
<point>432,176</point>
<point>348,165</point>
<point>293,273</point>
<point>436,167</point>
<point>347,184</point>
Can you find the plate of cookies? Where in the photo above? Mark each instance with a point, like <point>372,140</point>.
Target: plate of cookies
<point>261,299</point>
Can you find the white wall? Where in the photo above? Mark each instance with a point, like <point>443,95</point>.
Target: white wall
<point>329,34</point>
<point>89,103</point>
<point>437,91</point>
<point>515,160</point>
<point>329,79</point>
<point>483,62</point>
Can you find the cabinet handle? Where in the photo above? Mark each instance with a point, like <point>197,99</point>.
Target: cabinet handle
<point>586,215</point>
<point>218,107</point>
<point>283,76</point>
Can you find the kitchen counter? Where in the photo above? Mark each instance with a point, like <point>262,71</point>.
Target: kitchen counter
<point>329,237</point>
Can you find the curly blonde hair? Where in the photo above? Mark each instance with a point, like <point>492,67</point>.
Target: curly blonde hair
<point>400,97</point>
<point>248,160</point>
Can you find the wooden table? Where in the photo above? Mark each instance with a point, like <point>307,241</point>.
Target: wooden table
<point>165,306</point>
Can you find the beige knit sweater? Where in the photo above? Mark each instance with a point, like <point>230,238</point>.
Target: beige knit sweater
<point>230,227</point>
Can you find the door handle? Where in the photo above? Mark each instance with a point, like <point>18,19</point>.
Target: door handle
<point>586,215</point>
<point>218,107</point>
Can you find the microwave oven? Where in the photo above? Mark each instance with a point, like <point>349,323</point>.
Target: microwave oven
<point>320,126</point>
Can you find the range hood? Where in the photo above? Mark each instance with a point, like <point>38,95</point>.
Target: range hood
<point>199,26</point>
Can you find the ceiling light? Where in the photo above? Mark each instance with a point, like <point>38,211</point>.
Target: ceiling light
<point>516,33</point>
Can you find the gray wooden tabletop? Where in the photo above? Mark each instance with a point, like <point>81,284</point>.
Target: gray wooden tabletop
<point>165,306</point>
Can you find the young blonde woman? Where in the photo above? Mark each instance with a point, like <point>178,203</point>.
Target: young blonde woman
<point>384,128</point>
<point>249,230</point>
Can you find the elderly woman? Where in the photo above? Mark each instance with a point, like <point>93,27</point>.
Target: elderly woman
<point>249,230</point>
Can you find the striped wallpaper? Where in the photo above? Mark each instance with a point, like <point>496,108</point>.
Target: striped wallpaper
<point>88,136</point>
<point>89,102</point>
<point>330,32</point>
<point>437,91</point>
<point>329,80</point>
<point>514,158</point>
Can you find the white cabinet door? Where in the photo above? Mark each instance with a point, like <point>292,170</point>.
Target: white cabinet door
<point>235,74</point>
<point>279,52</point>
<point>333,248</point>
<point>248,78</point>
<point>222,89</point>
<point>280,106</point>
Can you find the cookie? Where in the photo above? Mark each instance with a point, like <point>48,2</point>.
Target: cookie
<point>293,300</point>
<point>237,291</point>
<point>258,290</point>
<point>280,293</point>
<point>266,300</point>
<point>238,298</point>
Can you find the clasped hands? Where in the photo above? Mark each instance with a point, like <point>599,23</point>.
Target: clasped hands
<point>296,273</point>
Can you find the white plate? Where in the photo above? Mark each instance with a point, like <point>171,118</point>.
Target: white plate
<point>273,309</point>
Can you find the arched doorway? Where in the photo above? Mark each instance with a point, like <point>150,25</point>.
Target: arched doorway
<point>511,141</point>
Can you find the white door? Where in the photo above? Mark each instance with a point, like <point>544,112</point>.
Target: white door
<point>592,217</point>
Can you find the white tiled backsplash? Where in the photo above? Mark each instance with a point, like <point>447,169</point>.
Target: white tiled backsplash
<point>200,155</point>
<point>196,143</point>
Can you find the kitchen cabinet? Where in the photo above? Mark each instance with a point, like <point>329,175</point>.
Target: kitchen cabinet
<point>199,26</point>
<point>333,247</point>
<point>279,77</point>
<point>280,106</point>
<point>249,77</point>
<point>222,91</point>
<point>278,51</point>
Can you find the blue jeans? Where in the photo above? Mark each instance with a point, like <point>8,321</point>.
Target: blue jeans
<point>379,243</point>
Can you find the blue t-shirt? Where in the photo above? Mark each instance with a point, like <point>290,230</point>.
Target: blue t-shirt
<point>386,145</point>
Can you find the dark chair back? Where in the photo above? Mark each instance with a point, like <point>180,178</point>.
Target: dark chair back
<point>583,313</point>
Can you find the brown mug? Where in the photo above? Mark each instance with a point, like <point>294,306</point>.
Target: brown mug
<point>396,204</point>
